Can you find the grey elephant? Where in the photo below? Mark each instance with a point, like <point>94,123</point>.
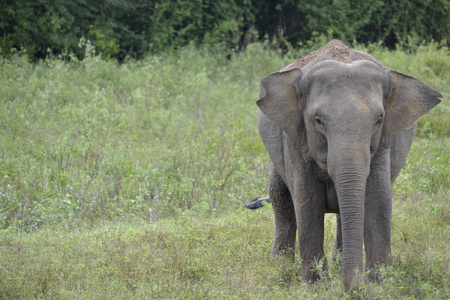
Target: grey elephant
<point>338,126</point>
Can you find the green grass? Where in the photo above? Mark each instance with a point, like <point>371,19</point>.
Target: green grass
<point>226,257</point>
<point>127,182</point>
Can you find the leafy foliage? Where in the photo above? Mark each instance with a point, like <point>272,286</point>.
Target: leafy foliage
<point>90,140</point>
<point>387,22</point>
<point>227,256</point>
<point>135,28</point>
<point>133,176</point>
<point>119,28</point>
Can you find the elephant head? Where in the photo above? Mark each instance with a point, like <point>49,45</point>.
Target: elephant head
<point>340,114</point>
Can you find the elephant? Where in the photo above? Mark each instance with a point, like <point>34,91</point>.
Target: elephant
<point>338,126</point>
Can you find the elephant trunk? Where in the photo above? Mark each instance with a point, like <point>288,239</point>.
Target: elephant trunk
<point>349,172</point>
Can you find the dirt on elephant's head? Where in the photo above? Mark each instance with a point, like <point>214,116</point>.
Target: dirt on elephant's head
<point>333,50</point>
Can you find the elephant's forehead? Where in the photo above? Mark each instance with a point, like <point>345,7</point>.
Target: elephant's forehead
<point>356,72</point>
<point>357,87</point>
<point>334,81</point>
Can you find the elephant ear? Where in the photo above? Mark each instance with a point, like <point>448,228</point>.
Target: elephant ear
<point>279,100</point>
<point>408,100</point>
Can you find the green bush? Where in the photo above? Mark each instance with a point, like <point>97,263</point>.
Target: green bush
<point>133,28</point>
<point>90,140</point>
<point>126,181</point>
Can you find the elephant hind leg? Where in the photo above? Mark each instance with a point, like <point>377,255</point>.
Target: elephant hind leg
<point>337,249</point>
<point>284,213</point>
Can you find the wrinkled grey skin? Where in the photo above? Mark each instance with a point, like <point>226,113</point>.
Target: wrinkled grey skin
<point>338,126</point>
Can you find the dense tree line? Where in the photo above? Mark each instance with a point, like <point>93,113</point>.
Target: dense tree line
<point>134,28</point>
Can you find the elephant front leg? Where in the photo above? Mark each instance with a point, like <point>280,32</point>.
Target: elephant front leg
<point>378,217</point>
<point>310,195</point>
<point>284,214</point>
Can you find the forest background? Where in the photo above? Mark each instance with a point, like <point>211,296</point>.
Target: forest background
<point>129,142</point>
<point>132,29</point>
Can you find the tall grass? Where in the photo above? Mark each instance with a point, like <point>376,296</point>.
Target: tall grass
<point>127,181</point>
<point>93,140</point>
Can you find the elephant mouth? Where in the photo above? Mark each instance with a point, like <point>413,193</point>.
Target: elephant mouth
<point>322,163</point>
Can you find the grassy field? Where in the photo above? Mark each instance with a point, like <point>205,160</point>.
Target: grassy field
<point>127,182</point>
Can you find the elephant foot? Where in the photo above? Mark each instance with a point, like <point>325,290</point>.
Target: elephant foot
<point>378,273</point>
<point>315,270</point>
<point>356,284</point>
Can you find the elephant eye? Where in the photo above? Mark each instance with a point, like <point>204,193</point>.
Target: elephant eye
<point>380,120</point>
<point>320,126</point>
<point>318,121</point>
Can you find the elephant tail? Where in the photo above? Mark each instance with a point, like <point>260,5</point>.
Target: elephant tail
<point>256,203</point>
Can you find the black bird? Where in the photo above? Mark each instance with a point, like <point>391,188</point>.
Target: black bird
<point>256,203</point>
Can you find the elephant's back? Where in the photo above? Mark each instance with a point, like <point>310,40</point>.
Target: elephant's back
<point>333,50</point>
